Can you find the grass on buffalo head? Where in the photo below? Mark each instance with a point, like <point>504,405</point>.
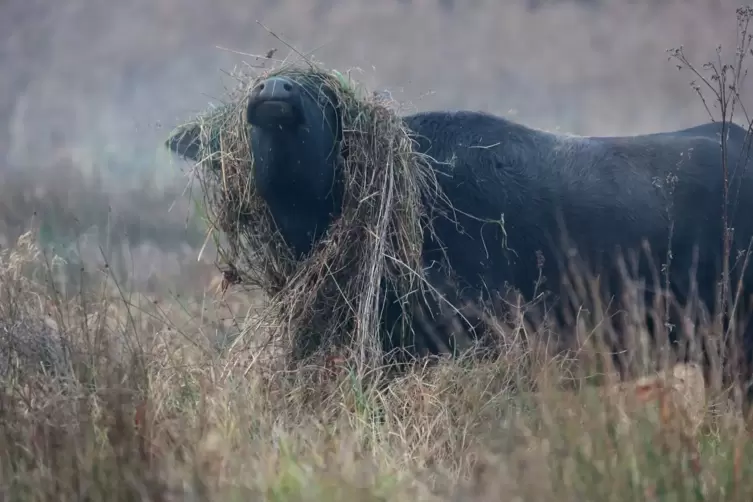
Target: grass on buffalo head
<point>333,297</point>
<point>159,416</point>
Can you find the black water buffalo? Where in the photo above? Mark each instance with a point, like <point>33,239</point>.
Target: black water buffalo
<point>611,193</point>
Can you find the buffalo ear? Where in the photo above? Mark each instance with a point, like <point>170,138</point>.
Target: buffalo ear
<point>186,142</point>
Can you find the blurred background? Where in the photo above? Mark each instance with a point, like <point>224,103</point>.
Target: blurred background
<point>90,89</point>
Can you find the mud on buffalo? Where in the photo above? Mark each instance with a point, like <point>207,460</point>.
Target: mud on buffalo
<point>595,199</point>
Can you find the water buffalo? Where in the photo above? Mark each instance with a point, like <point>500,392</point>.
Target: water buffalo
<point>610,194</point>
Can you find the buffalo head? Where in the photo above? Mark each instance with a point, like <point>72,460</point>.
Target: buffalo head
<point>295,140</point>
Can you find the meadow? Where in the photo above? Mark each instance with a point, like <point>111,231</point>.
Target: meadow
<point>128,373</point>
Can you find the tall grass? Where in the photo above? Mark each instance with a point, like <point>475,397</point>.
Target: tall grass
<point>142,403</point>
<point>112,394</point>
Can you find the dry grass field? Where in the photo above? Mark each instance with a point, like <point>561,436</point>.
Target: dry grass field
<point>125,375</point>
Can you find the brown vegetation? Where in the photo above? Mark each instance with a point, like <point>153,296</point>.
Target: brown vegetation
<point>146,403</point>
<point>114,388</point>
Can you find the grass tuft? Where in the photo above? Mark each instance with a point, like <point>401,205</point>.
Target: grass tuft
<point>333,298</point>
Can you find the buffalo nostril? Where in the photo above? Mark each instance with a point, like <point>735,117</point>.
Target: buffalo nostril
<point>261,86</point>
<point>287,86</point>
